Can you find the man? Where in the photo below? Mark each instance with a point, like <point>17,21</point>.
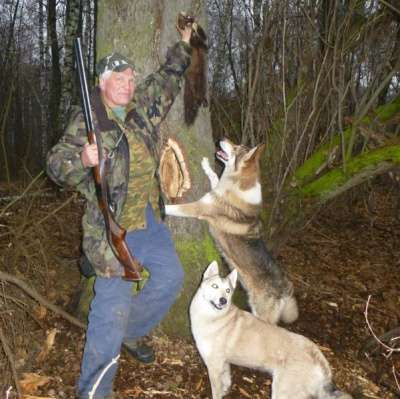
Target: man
<point>127,118</point>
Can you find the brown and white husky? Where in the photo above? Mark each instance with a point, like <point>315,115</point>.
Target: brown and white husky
<point>226,335</point>
<point>232,208</point>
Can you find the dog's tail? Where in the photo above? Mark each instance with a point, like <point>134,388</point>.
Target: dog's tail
<point>330,391</point>
<point>290,311</point>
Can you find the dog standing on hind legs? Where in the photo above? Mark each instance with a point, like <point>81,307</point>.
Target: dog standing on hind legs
<point>232,209</point>
<point>226,335</point>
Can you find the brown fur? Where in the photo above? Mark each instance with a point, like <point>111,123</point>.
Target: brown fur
<point>195,91</point>
<point>234,221</point>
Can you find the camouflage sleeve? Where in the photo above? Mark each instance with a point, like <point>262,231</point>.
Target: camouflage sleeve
<point>64,164</point>
<point>157,93</point>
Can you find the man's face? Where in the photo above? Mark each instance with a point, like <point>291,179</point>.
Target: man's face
<point>118,88</point>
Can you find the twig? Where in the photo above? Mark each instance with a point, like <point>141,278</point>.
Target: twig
<point>34,195</point>
<point>395,377</point>
<point>23,193</point>
<point>393,8</point>
<point>55,210</point>
<point>389,349</point>
<point>96,384</point>
<point>35,295</point>
<point>10,358</point>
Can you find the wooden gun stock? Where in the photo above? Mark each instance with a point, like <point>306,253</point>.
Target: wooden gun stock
<point>115,233</point>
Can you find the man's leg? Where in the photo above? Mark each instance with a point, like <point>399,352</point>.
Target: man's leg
<point>157,251</point>
<point>107,325</point>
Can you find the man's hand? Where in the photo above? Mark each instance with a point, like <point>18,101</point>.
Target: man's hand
<point>185,33</point>
<point>90,155</point>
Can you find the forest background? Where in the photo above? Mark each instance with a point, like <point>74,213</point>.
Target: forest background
<point>316,80</point>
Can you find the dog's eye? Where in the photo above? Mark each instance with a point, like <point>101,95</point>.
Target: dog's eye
<point>228,290</point>
<point>214,286</point>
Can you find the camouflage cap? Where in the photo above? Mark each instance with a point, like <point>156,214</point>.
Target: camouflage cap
<point>114,62</point>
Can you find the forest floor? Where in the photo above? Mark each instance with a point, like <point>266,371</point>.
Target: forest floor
<point>347,253</point>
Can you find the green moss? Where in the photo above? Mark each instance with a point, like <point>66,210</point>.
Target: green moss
<point>195,255</point>
<point>307,171</point>
<point>86,296</point>
<point>363,164</point>
<point>116,32</point>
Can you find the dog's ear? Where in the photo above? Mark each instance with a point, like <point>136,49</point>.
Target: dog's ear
<point>255,153</point>
<point>212,270</point>
<point>232,276</point>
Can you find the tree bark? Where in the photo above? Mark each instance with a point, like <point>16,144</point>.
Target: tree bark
<point>143,30</point>
<point>55,86</point>
<point>69,93</point>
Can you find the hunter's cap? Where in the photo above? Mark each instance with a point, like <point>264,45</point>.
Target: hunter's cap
<point>114,62</point>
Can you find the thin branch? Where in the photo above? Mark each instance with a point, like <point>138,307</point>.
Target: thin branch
<point>22,195</point>
<point>10,358</point>
<point>395,377</point>
<point>55,210</point>
<point>389,349</point>
<point>39,298</point>
<point>388,5</point>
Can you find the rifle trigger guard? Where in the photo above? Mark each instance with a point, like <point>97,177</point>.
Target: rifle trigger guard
<point>111,206</point>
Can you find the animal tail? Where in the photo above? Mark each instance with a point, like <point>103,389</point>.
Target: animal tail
<point>330,391</point>
<point>290,311</point>
<point>191,104</point>
<point>195,91</point>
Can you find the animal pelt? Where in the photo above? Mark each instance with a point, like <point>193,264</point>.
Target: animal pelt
<point>195,91</point>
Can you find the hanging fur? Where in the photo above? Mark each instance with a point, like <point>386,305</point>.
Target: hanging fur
<point>195,91</point>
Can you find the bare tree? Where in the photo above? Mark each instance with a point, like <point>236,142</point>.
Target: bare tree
<point>73,29</point>
<point>55,81</point>
<point>315,71</point>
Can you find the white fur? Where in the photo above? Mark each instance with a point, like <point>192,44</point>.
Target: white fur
<point>212,176</point>
<point>207,198</point>
<point>251,196</point>
<point>226,335</point>
<point>174,210</point>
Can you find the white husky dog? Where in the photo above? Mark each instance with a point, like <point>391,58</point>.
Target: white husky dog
<point>232,209</point>
<point>226,335</point>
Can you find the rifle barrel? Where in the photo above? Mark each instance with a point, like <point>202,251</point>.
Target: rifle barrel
<point>84,90</point>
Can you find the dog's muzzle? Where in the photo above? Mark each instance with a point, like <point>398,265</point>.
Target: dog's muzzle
<point>221,303</point>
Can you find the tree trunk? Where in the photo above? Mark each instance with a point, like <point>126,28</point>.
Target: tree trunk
<point>43,83</point>
<point>69,93</point>
<point>55,86</point>
<point>143,30</point>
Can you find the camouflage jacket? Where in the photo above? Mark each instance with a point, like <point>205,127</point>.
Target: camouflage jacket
<point>152,101</point>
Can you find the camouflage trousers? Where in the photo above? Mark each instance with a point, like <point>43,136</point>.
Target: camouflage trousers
<point>117,315</point>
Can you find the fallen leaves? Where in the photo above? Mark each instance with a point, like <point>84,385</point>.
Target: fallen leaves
<point>31,382</point>
<point>48,345</point>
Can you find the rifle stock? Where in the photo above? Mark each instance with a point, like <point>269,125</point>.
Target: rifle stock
<point>115,233</point>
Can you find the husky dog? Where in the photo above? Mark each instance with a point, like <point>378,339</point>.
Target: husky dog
<point>232,208</point>
<point>226,335</point>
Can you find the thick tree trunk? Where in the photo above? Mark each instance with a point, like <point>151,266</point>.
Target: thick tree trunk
<point>143,30</point>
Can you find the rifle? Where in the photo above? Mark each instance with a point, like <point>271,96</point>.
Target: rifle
<point>115,233</point>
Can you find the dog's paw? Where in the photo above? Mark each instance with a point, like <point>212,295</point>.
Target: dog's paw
<point>226,385</point>
<point>205,164</point>
<point>212,176</point>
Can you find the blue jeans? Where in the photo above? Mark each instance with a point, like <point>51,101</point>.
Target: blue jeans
<point>116,315</point>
